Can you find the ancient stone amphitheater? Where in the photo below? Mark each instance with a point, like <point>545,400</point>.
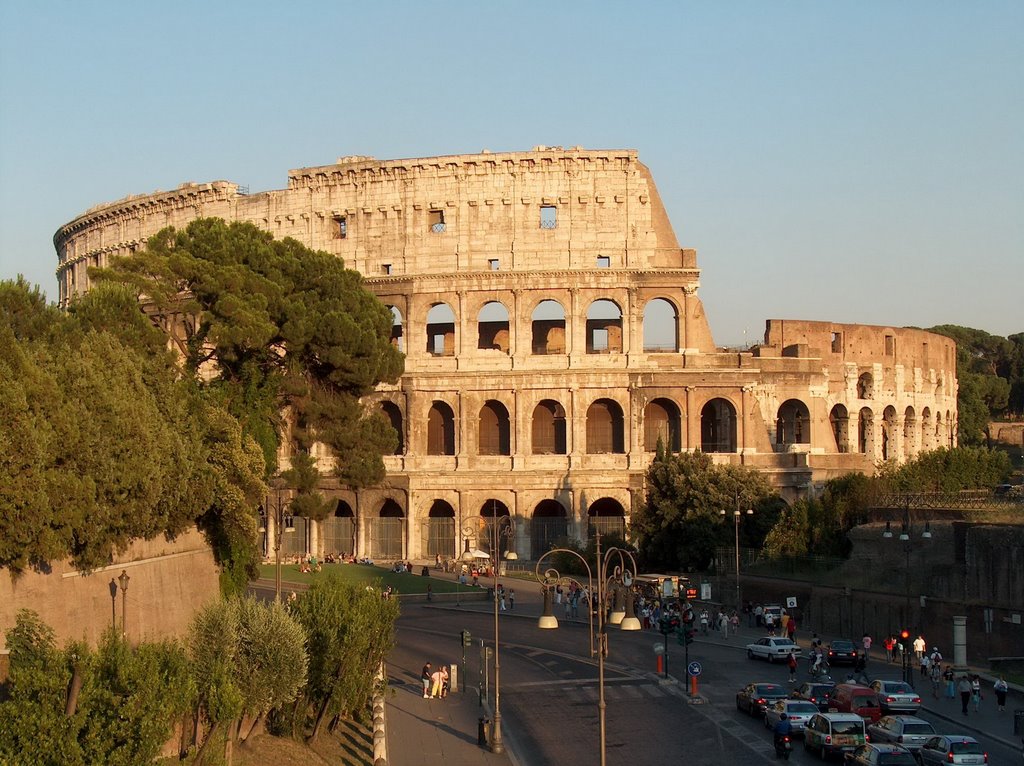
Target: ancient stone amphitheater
<point>553,334</point>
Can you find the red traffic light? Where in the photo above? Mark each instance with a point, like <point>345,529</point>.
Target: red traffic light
<point>904,634</point>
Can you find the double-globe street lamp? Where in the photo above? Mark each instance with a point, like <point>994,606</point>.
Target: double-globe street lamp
<point>615,574</point>
<point>276,506</point>
<point>495,530</point>
<point>736,516</point>
<point>908,545</point>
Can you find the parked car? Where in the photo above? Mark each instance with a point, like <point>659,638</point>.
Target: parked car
<point>753,698</point>
<point>952,748</point>
<point>880,755</point>
<point>896,697</point>
<point>773,648</point>
<point>814,691</point>
<point>776,612</point>
<point>798,712</point>
<point>842,651</point>
<point>830,733</point>
<point>907,730</point>
<point>854,698</point>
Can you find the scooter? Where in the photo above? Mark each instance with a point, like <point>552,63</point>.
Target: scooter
<point>783,747</point>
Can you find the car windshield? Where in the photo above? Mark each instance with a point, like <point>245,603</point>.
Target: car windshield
<point>966,748</point>
<point>847,727</point>
<point>782,642</point>
<point>896,759</point>
<point>802,707</point>
<point>918,728</point>
<point>770,690</point>
<point>842,645</point>
<point>898,687</point>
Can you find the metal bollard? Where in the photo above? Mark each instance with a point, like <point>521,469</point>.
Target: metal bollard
<point>481,731</point>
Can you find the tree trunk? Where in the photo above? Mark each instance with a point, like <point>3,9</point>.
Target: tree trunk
<point>255,725</point>
<point>201,753</point>
<point>320,715</point>
<point>73,690</point>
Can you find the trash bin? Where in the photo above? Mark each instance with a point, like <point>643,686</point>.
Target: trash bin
<point>481,731</point>
<point>1018,723</point>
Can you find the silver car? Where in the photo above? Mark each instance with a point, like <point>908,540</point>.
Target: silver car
<point>906,730</point>
<point>798,713</point>
<point>952,748</point>
<point>897,697</point>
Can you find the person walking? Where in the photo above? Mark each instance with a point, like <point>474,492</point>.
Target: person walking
<point>1000,688</point>
<point>512,598</point>
<point>964,687</point>
<point>791,629</point>
<point>925,663</point>
<point>937,679</point>
<point>950,680</point>
<point>439,678</point>
<point>866,643</point>
<point>792,667</point>
<point>890,648</point>
<point>919,646</point>
<point>976,691</point>
<point>860,669</point>
<point>425,680</point>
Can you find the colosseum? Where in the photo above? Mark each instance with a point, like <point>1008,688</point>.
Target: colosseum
<point>553,334</point>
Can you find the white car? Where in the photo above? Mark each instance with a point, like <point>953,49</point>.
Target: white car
<point>798,713</point>
<point>773,648</point>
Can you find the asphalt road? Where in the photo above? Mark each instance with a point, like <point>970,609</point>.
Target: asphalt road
<point>549,693</point>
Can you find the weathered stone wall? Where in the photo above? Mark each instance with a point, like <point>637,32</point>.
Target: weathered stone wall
<point>170,580</point>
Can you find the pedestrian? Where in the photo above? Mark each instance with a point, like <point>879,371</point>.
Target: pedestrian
<point>1001,687</point>
<point>758,616</point>
<point>791,629</point>
<point>936,679</point>
<point>976,691</point>
<point>558,594</point>
<point>723,625</point>
<point>568,608</point>
<point>950,680</point>
<point>860,669</point>
<point>935,656</point>
<point>734,622</point>
<point>890,648</point>
<point>502,600</point>
<point>866,643</point>
<point>769,623</point>
<point>964,687</point>
<point>792,667</point>
<point>430,592</point>
<point>919,646</point>
<point>512,598</point>
<point>438,677</point>
<point>425,680</point>
<point>705,618</point>
<point>575,603</point>
<point>925,664</point>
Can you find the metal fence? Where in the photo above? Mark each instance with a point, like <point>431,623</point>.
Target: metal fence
<point>386,538</point>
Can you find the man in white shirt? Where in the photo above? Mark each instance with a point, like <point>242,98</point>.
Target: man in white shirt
<point>919,645</point>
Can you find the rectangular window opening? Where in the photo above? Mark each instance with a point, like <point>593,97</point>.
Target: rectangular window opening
<point>604,262</point>
<point>437,225</point>
<point>548,216</point>
<point>340,227</point>
<point>890,345</point>
<point>600,341</point>
<point>386,268</point>
<point>837,343</point>
<point>493,264</point>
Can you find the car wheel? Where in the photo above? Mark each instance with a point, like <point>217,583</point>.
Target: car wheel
<point>771,659</point>
<point>750,655</point>
<point>823,753</point>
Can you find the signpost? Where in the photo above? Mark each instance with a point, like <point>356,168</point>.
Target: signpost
<point>693,669</point>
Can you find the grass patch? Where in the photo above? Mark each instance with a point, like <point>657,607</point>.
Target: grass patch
<point>361,574</point>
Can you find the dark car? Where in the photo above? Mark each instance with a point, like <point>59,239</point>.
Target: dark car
<point>906,730</point>
<point>897,696</point>
<point>753,698</point>
<point>842,651</point>
<point>880,755</point>
<point>816,692</point>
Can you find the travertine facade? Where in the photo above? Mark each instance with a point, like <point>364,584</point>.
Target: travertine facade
<point>553,334</point>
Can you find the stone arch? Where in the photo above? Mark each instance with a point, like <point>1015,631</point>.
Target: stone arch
<point>605,428</point>
<point>662,420</point>
<point>909,432</point>
<point>604,327</point>
<point>927,430</point>
<point>490,510</point>
<point>839,418</point>
<point>492,327</point>
<point>866,431</point>
<point>889,433</point>
<point>792,424</point>
<point>547,326</point>
<point>440,429</point>
<point>865,386</point>
<point>338,531</point>
<point>661,326</point>
<point>607,516</point>
<point>387,532</point>
<point>718,426</point>
<point>440,529</point>
<point>550,523</point>
<point>494,432</point>
<point>397,329</point>
<point>548,427</point>
<point>441,330</point>
<point>393,413</point>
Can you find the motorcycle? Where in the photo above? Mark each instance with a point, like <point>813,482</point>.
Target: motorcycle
<point>783,747</point>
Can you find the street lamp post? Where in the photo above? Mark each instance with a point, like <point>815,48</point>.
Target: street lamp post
<point>619,579</point>
<point>277,504</point>
<point>736,516</point>
<point>123,578</point>
<point>496,528</point>
<point>908,545</point>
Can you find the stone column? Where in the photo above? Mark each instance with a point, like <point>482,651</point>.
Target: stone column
<point>959,642</point>
<point>691,432</point>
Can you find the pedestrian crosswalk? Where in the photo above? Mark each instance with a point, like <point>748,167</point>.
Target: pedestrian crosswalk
<point>587,692</point>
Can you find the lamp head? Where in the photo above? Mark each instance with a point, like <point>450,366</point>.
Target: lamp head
<point>123,578</point>
<point>547,619</point>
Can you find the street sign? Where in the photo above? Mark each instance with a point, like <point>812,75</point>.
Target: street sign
<point>791,602</point>
<point>705,591</point>
<point>694,669</point>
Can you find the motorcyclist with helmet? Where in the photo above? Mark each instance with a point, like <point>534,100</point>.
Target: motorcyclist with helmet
<point>782,730</point>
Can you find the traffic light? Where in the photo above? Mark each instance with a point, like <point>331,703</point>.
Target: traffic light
<point>685,636</point>
<point>664,625</point>
<point>467,638</point>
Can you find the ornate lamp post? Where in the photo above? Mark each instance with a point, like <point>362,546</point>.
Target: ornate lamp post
<point>736,516</point>
<point>494,529</point>
<point>123,578</point>
<point>616,570</point>
<point>908,545</point>
<point>275,506</point>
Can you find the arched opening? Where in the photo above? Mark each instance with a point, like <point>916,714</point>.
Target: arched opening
<point>391,411</point>
<point>494,429</point>
<point>294,533</point>
<point>866,432</point>
<point>440,430</point>
<point>441,330</point>
<point>387,532</point>
<point>927,430</point>
<point>607,517</point>
<point>909,432</point>
<point>661,326</point>
<point>865,386</point>
<point>549,428</point>
<point>397,330</point>
<point>604,327</point>
<point>792,424</point>
<point>338,531</point>
<point>889,435</point>
<point>491,510</point>
<point>440,531</point>
<point>662,420</point>
<point>839,418</point>
<point>605,429</point>
<point>492,327</point>
<point>548,328</point>
<point>549,525</point>
<point>950,431</point>
<point>718,426</point>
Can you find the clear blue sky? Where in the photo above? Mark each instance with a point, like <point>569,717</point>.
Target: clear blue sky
<point>849,161</point>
